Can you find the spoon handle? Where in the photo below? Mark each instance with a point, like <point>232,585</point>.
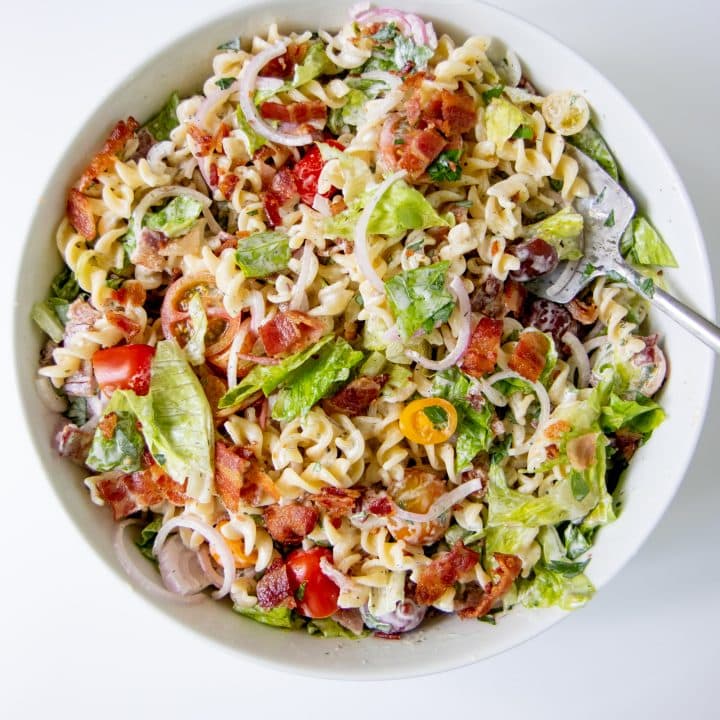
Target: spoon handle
<point>694,323</point>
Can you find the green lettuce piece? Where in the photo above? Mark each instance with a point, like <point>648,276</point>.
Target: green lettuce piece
<point>254,140</point>
<point>176,218</point>
<point>396,52</point>
<point>176,420</point>
<point>373,365</point>
<point>44,316</point>
<point>315,379</point>
<point>554,555</point>
<point>195,346</point>
<point>351,113</point>
<point>328,628</point>
<point>123,450</point>
<point>263,253</point>
<point>562,230</point>
<point>64,286</point>
<point>399,377</point>
<point>166,120</point>
<point>592,143</point>
<point>473,434</point>
<point>419,298</point>
<point>407,52</point>
<point>577,543</point>
<point>509,539</point>
<point>548,588</point>
<point>147,537</point>
<point>646,247</point>
<point>77,410</point>
<point>50,315</point>
<point>400,209</point>
<point>502,119</point>
<point>455,533</point>
<point>642,414</point>
<point>269,377</point>
<point>279,617</point>
<point>446,167</point>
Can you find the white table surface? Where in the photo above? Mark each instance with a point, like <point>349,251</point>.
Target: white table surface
<point>646,647</point>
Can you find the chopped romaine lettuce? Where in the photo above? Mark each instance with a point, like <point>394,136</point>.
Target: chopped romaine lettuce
<point>77,410</point>
<point>642,414</point>
<point>253,140</point>
<point>147,537</point>
<point>494,92</point>
<point>419,298</point>
<point>577,543</point>
<point>555,557</point>
<point>643,245</point>
<point>44,316</point>
<point>176,218</point>
<point>279,617</point>
<point>562,230</point>
<point>407,53</point>
<point>592,143</point>
<point>513,540</point>
<point>446,167</point>
<point>65,286</point>
<point>397,52</point>
<point>399,377</point>
<point>195,346</point>
<point>263,253</point>
<point>51,314</point>
<point>225,82</point>
<point>373,365</point>
<point>473,434</point>
<point>175,419</point>
<point>269,377</point>
<point>351,113</point>
<point>548,588</point>
<point>315,379</point>
<point>235,45</point>
<point>122,450</point>
<point>329,628</point>
<point>165,121</point>
<point>502,119</point>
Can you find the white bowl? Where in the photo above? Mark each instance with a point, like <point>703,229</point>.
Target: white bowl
<point>656,471</point>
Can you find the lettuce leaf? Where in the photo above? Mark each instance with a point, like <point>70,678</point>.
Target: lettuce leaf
<point>350,114</point>
<point>502,119</point>
<point>195,346</point>
<point>44,316</point>
<point>592,143</point>
<point>253,140</point>
<point>269,377</point>
<point>548,588</point>
<point>562,230</point>
<point>176,420</point>
<point>166,120</point>
<point>315,379</point>
<point>419,298</point>
<point>279,617</point>
<point>644,246</point>
<point>147,537</point>
<point>473,434</point>
<point>176,218</point>
<point>329,628</point>
<point>263,253</point>
<point>642,415</point>
<point>50,315</point>
<point>123,450</point>
<point>510,539</point>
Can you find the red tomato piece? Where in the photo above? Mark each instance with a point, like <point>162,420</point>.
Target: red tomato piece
<point>307,172</point>
<point>125,367</point>
<point>319,594</point>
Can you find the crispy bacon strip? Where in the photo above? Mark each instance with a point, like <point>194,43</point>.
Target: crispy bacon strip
<point>584,313</point>
<point>453,113</point>
<point>206,143</point>
<point>481,354</point>
<point>528,357</point>
<point>257,485</point>
<point>273,588</point>
<point>514,294</point>
<point>354,399</point>
<point>107,425</point>
<point>443,572</point>
<point>290,332</point>
<point>419,149</point>
<point>227,184</point>
<point>132,292</point>
<point>509,567</point>
<point>239,477</point>
<point>80,215</point>
<point>289,524</point>
<point>282,193</point>
<point>337,503</point>
<point>102,162</point>
<point>296,112</point>
<point>129,328</point>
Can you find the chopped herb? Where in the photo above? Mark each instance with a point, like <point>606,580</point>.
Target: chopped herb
<point>524,132</point>
<point>225,82</point>
<point>147,538</point>
<point>386,33</point>
<point>610,222</point>
<point>398,141</point>
<point>233,44</point>
<point>589,270</point>
<point>463,203</point>
<point>556,184</point>
<point>446,167</point>
<point>300,592</point>
<point>490,619</point>
<point>648,287</point>
<point>437,416</point>
<point>166,120</point>
<point>493,92</point>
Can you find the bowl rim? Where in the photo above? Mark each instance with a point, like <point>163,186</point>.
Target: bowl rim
<point>19,328</point>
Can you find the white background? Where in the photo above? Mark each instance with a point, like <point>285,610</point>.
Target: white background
<point>75,643</point>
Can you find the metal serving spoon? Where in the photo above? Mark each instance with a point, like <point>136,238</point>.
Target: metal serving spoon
<point>602,253</point>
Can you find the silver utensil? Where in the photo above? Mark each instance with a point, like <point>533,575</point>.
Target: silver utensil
<point>602,256</point>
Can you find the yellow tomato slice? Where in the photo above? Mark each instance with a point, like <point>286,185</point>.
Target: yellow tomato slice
<point>237,547</point>
<point>428,421</point>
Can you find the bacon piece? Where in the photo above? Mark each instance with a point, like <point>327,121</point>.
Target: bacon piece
<point>556,430</point>
<point>227,184</point>
<point>148,250</point>
<point>453,113</point>
<point>258,484</point>
<point>508,569</point>
<point>74,442</point>
<point>80,215</point>
<point>380,505</point>
<point>273,588</point>
<point>284,66</point>
<point>82,382</point>
<point>128,327</point>
<point>514,294</point>
<point>206,143</point>
<point>354,399</point>
<point>289,332</point>
<point>296,112</point>
<point>419,149</point>
<point>132,292</point>
<point>230,471</point>
<point>528,357</point>
<point>337,503</point>
<point>481,354</point>
<point>289,524</point>
<point>584,313</point>
<point>282,193</point>
<point>103,161</point>
<point>213,386</point>
<point>581,451</point>
<point>443,572</point>
<point>108,424</point>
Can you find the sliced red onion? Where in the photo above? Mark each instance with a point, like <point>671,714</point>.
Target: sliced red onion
<point>258,359</point>
<point>362,251</point>
<point>442,504</point>
<point>213,537</point>
<point>408,23</point>
<point>154,196</point>
<point>212,101</point>
<point>138,577</point>
<point>208,567</point>
<point>458,289</point>
<point>322,205</point>
<point>256,303</point>
<point>180,568</point>
<point>235,346</point>
<point>580,357</point>
<point>247,82</point>
<point>305,277</point>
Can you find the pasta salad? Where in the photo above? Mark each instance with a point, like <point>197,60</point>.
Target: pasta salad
<point>293,348</point>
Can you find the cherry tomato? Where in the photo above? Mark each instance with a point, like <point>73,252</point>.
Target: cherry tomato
<point>125,367</point>
<point>319,594</point>
<point>428,421</point>
<point>307,172</point>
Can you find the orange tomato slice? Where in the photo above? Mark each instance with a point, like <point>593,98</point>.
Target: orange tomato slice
<point>428,421</point>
